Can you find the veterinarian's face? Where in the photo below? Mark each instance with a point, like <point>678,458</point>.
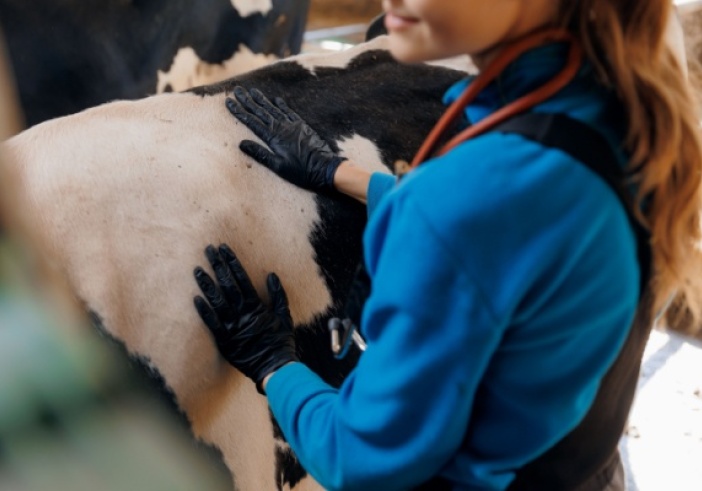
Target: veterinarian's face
<point>422,30</point>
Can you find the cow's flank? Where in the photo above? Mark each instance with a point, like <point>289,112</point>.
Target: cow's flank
<point>124,197</point>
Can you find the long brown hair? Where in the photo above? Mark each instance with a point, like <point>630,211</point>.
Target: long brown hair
<point>625,40</point>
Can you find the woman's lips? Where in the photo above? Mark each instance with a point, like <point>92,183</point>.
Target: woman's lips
<point>395,22</point>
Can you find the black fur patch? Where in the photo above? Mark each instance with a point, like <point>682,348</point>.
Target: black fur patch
<point>288,470</point>
<point>376,27</point>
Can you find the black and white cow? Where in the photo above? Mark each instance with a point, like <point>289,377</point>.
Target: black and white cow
<point>69,55</point>
<point>122,199</point>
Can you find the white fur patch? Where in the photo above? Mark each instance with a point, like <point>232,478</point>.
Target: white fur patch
<point>363,153</point>
<point>248,7</point>
<point>188,70</point>
<point>125,197</point>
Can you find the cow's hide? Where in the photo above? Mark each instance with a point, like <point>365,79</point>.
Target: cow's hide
<point>69,55</point>
<point>123,198</point>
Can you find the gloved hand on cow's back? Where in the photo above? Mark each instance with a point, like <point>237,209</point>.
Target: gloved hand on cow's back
<point>253,338</point>
<point>297,153</point>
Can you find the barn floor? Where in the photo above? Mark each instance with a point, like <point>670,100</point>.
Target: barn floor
<point>663,445</point>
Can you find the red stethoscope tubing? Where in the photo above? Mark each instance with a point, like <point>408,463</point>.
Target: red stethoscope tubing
<point>491,72</point>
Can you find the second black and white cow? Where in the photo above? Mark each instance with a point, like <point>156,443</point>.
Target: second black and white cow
<point>123,198</point>
<point>69,55</point>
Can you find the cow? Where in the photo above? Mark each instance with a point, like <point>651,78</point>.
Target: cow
<point>122,199</point>
<point>69,55</point>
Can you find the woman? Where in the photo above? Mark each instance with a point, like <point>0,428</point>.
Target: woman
<point>505,273</point>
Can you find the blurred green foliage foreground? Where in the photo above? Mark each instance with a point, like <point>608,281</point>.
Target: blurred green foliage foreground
<point>73,414</point>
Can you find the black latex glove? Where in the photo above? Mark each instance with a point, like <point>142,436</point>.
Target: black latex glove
<point>299,155</point>
<point>254,339</point>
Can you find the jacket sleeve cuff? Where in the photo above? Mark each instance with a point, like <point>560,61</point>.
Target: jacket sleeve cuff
<point>294,381</point>
<point>380,184</point>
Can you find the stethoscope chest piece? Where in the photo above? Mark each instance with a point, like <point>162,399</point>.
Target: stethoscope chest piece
<point>343,334</point>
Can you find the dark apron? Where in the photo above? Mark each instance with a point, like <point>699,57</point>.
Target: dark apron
<point>587,458</point>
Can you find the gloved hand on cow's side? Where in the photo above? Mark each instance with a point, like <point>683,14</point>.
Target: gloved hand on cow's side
<point>253,338</point>
<point>297,153</point>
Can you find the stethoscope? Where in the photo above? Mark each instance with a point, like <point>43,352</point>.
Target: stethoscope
<point>344,332</point>
<point>491,72</point>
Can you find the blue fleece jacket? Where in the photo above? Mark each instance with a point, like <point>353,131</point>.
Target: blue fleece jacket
<point>504,281</point>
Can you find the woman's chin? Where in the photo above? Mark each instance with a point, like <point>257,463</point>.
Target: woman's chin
<point>403,51</point>
<point>407,52</point>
